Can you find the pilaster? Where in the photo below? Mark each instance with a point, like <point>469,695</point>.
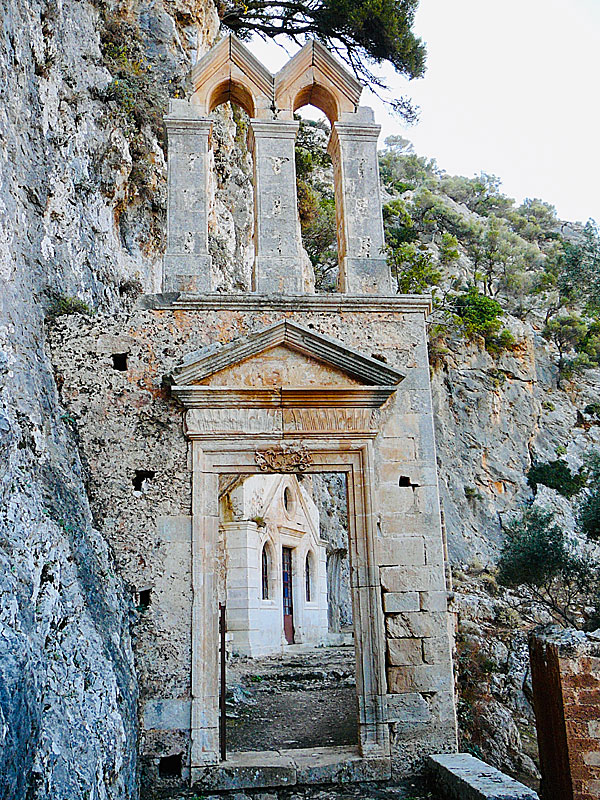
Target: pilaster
<point>277,237</point>
<point>186,263</point>
<point>353,149</point>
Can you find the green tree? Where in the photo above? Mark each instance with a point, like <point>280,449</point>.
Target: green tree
<point>413,268</point>
<point>567,332</point>
<point>589,511</point>
<point>537,555</point>
<point>362,32</point>
<point>448,249</point>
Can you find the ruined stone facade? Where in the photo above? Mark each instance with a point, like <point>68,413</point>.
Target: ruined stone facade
<point>278,380</point>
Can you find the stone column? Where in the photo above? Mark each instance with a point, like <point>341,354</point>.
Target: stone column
<point>277,237</point>
<point>353,149</point>
<point>186,263</point>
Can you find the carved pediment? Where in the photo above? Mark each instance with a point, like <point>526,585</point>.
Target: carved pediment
<point>283,366</point>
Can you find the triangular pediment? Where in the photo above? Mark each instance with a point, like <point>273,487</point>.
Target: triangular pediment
<point>283,365</point>
<point>316,346</point>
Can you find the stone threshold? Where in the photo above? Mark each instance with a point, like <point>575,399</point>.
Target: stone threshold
<point>335,302</point>
<point>314,765</point>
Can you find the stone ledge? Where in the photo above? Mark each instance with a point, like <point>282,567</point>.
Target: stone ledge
<point>461,776</point>
<point>256,770</point>
<point>336,302</point>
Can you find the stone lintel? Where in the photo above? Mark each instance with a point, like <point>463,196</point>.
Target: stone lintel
<point>337,303</point>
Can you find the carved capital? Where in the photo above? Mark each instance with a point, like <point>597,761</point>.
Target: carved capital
<point>292,459</point>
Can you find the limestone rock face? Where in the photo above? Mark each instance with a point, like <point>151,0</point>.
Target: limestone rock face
<point>494,418</point>
<point>73,222</point>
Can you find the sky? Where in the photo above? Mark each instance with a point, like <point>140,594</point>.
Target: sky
<point>512,88</point>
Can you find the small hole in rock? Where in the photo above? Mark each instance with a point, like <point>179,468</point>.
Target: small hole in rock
<point>144,598</point>
<point>170,766</point>
<point>404,481</point>
<point>120,361</point>
<point>141,476</point>
<point>379,357</point>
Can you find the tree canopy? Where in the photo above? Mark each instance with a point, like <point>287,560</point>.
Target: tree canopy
<point>363,33</point>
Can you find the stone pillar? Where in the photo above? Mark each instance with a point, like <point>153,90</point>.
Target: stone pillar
<point>186,263</point>
<point>353,149</point>
<point>277,237</point>
<point>243,583</point>
<point>565,672</point>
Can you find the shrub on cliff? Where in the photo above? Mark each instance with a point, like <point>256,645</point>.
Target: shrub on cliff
<point>557,475</point>
<point>537,555</point>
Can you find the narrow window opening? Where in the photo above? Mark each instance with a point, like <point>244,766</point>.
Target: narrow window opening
<point>265,574</point>
<point>308,578</point>
<point>120,361</point>
<point>288,500</point>
<point>170,766</point>
<point>144,598</point>
<point>140,478</point>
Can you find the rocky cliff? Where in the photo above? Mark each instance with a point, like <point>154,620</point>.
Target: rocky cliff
<point>82,196</point>
<point>82,201</point>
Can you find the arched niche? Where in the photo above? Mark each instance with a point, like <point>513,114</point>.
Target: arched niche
<point>320,97</point>
<point>234,92</point>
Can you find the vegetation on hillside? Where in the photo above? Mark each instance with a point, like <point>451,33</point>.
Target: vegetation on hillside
<point>482,257</point>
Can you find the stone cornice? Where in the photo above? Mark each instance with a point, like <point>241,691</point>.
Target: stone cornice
<point>336,303</point>
<point>199,396</point>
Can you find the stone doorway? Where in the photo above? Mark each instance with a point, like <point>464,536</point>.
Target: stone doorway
<point>291,673</point>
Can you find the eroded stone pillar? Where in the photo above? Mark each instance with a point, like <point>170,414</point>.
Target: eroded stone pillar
<point>186,264</point>
<point>353,149</point>
<point>565,674</point>
<point>277,237</point>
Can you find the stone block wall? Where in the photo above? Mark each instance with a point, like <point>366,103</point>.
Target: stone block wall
<point>138,465</point>
<point>565,667</point>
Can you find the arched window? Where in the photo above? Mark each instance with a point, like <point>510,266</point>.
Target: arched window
<point>308,577</point>
<point>265,573</point>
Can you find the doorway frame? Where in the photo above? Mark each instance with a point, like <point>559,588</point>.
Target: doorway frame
<point>212,457</point>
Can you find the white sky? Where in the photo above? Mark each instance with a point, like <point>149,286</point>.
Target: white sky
<point>511,89</point>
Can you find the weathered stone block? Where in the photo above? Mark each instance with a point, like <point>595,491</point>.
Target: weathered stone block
<point>417,624</point>
<point>407,578</point>
<point>436,650</point>
<point>410,707</point>
<point>461,776</point>
<point>167,715</point>
<point>401,601</point>
<point>336,765</point>
<point>250,770</point>
<point>409,550</point>
<point>405,651</point>
<point>425,678</point>
<point>434,601</point>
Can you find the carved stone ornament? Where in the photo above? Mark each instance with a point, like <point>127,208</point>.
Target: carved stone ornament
<point>293,459</point>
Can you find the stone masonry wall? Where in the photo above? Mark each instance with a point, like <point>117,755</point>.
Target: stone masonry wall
<point>128,427</point>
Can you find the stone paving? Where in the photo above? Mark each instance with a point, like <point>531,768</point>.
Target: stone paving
<point>304,698</point>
